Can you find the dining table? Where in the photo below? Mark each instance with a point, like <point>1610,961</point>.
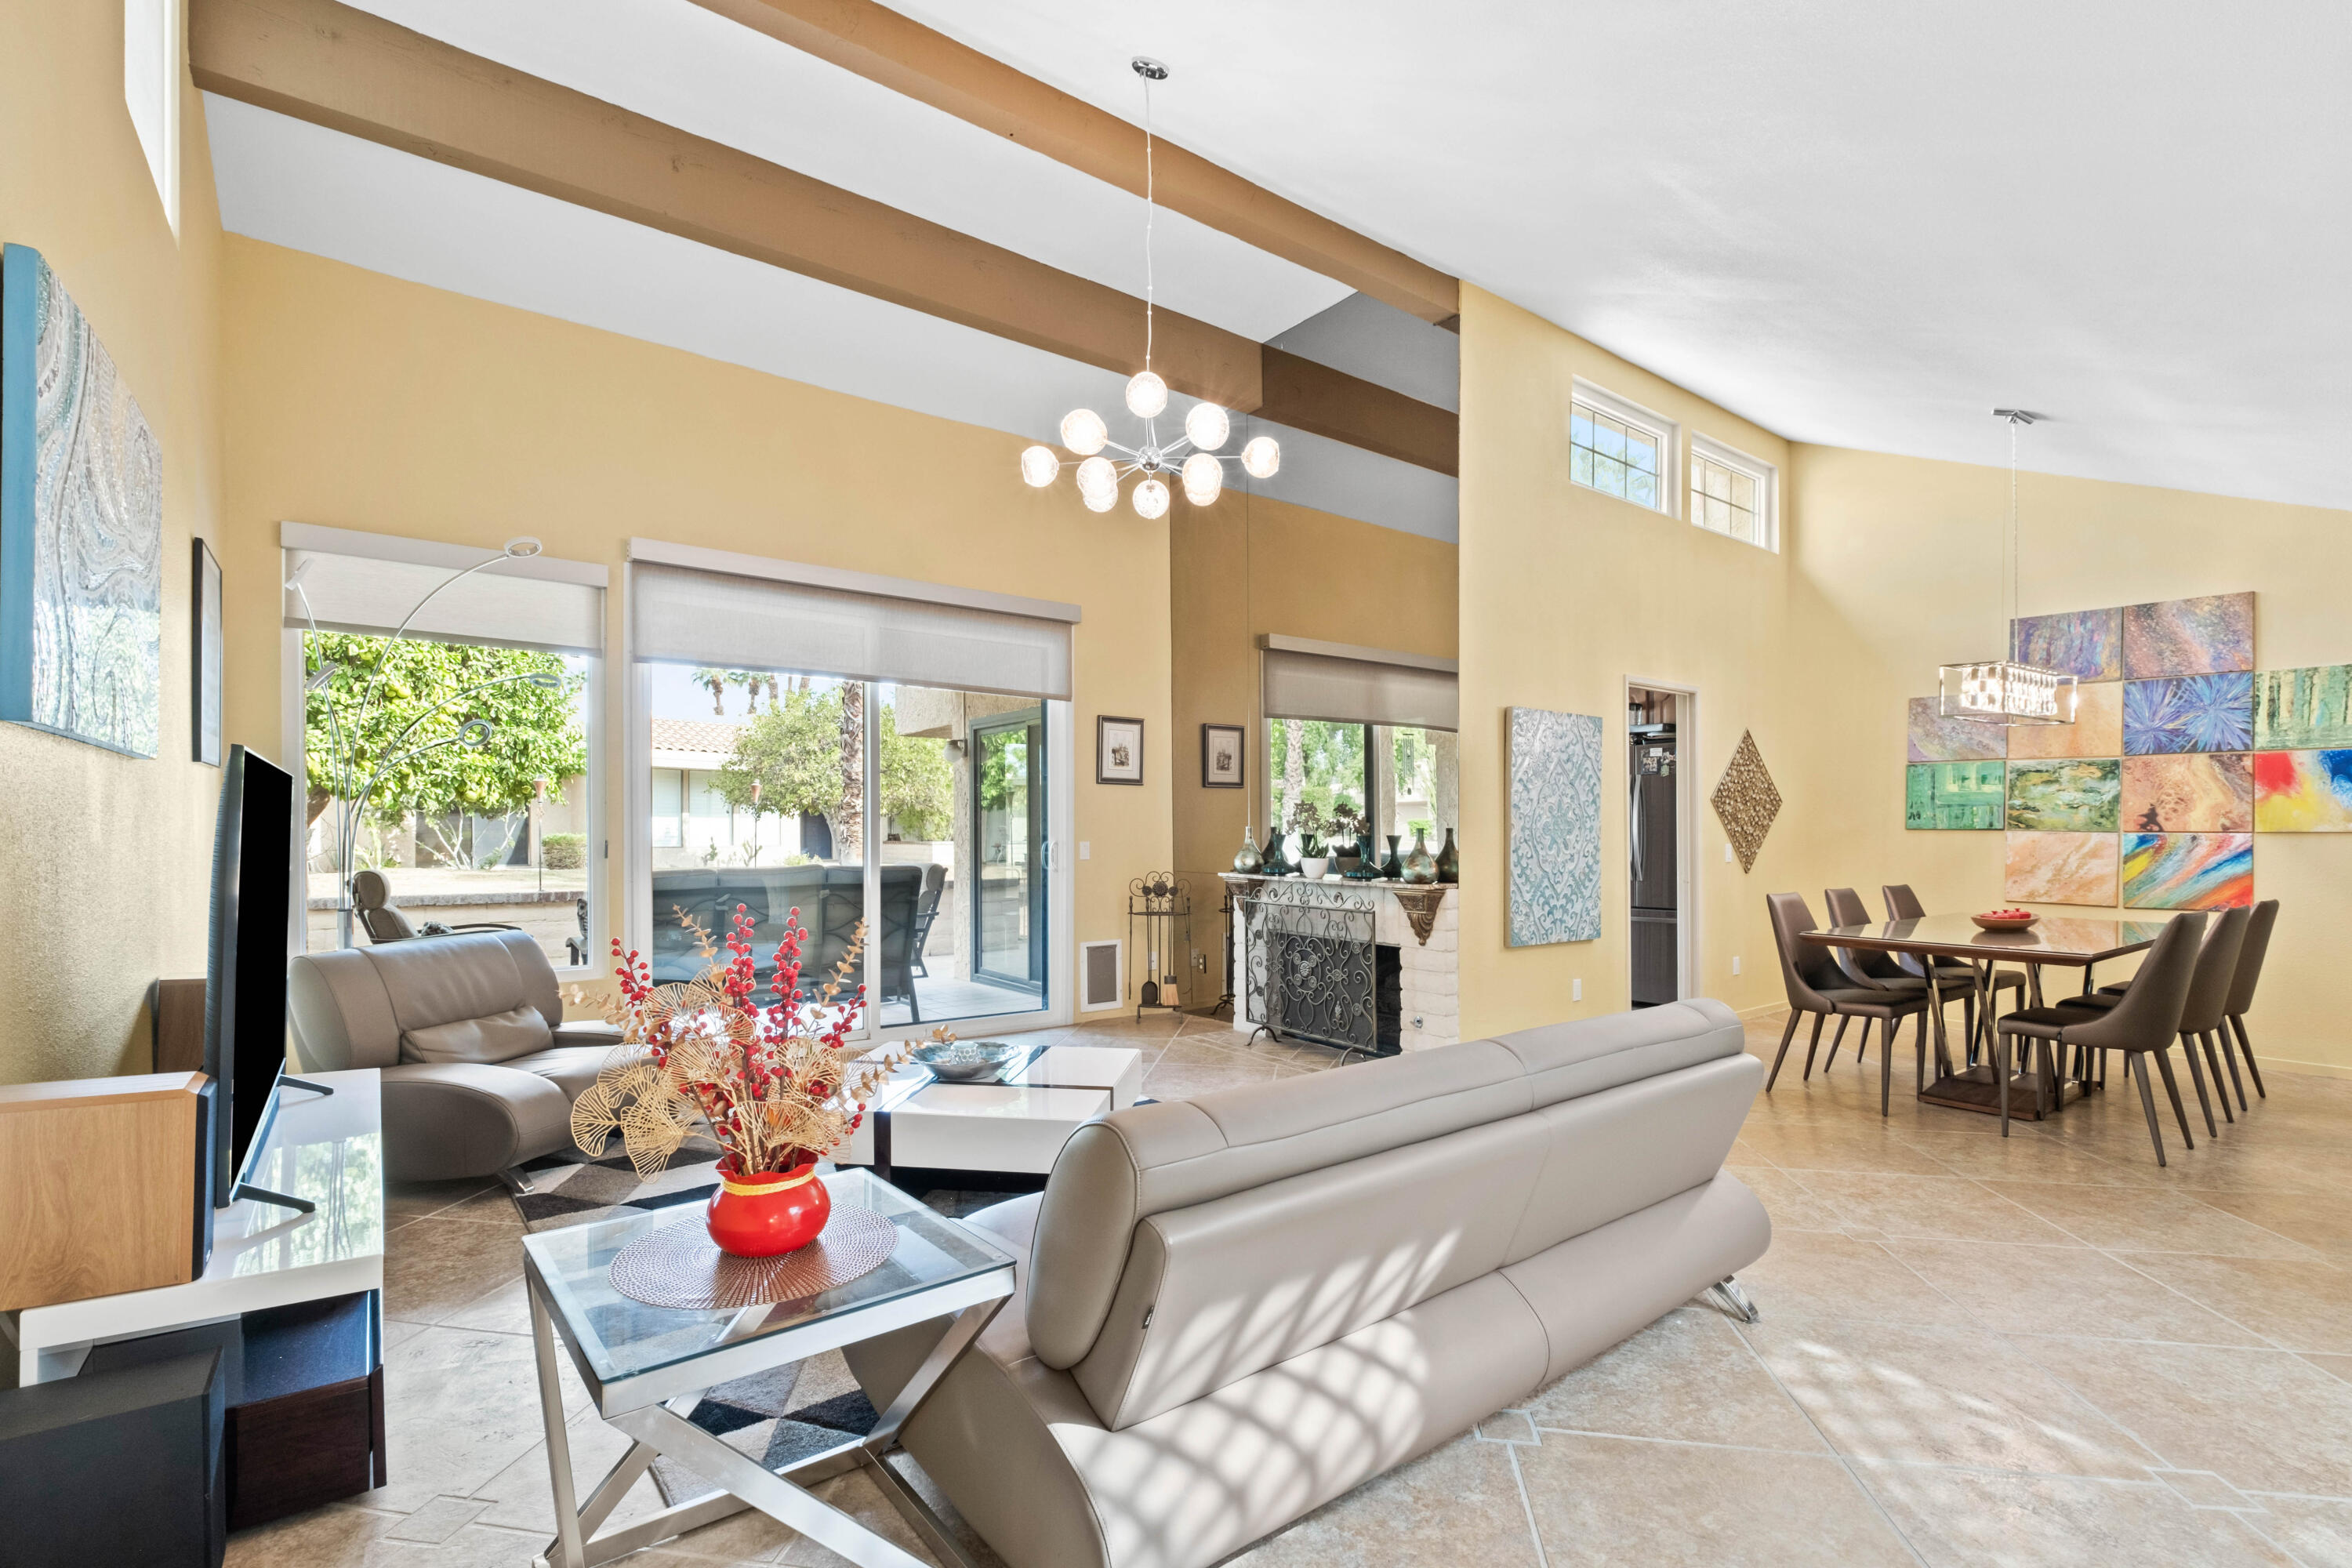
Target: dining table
<point>2063,941</point>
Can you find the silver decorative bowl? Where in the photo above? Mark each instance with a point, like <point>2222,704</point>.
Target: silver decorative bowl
<point>965,1061</point>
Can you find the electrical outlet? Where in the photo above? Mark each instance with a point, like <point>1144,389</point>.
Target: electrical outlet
<point>1085,850</point>
<point>1576,990</point>
<point>1726,854</point>
<point>1200,963</point>
<point>1734,963</point>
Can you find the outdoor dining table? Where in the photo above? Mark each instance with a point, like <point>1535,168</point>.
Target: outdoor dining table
<point>2066,941</point>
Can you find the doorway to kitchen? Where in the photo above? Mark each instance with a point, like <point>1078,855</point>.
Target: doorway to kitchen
<point>1660,738</point>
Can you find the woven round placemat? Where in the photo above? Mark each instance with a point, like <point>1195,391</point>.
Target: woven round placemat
<point>680,1265</point>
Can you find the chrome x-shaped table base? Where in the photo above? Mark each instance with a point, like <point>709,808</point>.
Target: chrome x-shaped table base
<point>664,1430</point>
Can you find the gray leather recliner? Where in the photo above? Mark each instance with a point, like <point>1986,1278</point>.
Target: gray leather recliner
<point>479,1070</point>
<point>1229,1310</point>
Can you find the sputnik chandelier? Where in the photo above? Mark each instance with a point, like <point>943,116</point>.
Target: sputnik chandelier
<point>1206,429</point>
<point>2008,690</point>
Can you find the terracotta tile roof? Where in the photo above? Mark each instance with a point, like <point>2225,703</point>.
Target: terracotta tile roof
<point>714,738</point>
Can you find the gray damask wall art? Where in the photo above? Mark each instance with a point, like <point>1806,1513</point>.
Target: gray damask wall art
<point>82,525</point>
<point>1555,827</point>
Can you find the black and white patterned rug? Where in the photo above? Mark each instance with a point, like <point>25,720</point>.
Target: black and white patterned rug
<point>777,1417</point>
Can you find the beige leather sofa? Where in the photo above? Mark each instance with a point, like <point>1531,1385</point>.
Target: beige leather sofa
<point>480,1068</point>
<point>1233,1308</point>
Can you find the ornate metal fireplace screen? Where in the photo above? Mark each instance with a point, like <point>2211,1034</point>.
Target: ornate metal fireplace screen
<point>1313,970</point>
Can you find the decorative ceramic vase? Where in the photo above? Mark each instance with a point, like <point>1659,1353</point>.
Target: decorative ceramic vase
<point>1420,865</point>
<point>1346,858</point>
<point>1449,861</point>
<point>1393,868</point>
<point>768,1214</point>
<point>1366,868</point>
<point>1314,868</point>
<point>1271,861</point>
<point>1247,860</point>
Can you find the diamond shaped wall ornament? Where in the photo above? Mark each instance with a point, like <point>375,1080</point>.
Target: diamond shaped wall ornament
<point>1746,801</point>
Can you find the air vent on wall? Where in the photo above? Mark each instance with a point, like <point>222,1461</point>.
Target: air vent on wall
<point>1101,982</point>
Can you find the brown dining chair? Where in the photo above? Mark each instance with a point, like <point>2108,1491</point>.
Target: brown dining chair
<point>2241,993</point>
<point>1871,970</point>
<point>2143,1026</point>
<point>1902,904</point>
<point>2206,1015</point>
<point>1816,986</point>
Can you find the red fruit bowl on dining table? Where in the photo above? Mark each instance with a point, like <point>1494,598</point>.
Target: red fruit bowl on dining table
<point>2005,920</point>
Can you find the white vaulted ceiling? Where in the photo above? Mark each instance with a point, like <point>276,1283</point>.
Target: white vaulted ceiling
<point>294,183</point>
<point>1852,222</point>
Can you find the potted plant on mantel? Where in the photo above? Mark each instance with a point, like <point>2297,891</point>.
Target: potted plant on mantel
<point>1307,821</point>
<point>1351,839</point>
<point>773,1082</point>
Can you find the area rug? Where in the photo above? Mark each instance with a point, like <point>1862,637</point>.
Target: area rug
<point>776,1417</point>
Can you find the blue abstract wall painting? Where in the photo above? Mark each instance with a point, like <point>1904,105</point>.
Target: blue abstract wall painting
<point>82,525</point>
<point>2195,713</point>
<point>2085,644</point>
<point>1555,893</point>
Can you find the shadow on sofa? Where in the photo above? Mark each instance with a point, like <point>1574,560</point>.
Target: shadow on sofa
<point>1231,1309</point>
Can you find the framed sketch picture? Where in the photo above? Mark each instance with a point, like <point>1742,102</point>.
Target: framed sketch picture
<point>1221,756</point>
<point>206,663</point>
<point>1118,750</point>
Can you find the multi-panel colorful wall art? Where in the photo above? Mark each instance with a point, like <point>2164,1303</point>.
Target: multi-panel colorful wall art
<point>2181,752</point>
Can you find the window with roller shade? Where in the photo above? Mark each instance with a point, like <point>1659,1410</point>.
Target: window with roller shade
<point>1363,727</point>
<point>859,750</point>
<point>503,834</point>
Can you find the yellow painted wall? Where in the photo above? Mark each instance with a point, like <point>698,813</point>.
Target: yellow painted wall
<point>360,401</point>
<point>104,864</point>
<point>1896,570</point>
<point>1248,565</point>
<point>1566,593</point>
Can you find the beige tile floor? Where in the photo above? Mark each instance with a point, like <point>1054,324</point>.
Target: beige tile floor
<point>2038,1351</point>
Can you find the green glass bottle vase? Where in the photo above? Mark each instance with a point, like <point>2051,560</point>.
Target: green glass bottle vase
<point>1420,865</point>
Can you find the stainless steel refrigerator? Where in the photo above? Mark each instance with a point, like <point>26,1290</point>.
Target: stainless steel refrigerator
<point>1656,895</point>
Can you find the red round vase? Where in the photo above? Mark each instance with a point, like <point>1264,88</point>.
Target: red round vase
<point>768,1214</point>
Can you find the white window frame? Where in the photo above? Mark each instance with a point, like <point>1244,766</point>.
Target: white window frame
<point>1061,783</point>
<point>1666,432</point>
<point>293,672</point>
<point>1767,488</point>
<point>153,43</point>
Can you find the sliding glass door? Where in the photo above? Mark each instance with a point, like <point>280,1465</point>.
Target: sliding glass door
<point>1008,892</point>
<point>917,811</point>
<point>812,746</point>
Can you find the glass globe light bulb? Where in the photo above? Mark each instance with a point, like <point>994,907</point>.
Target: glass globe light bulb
<point>1205,478</point>
<point>1084,432</point>
<point>1262,457</point>
<point>1150,501</point>
<point>1100,500</point>
<point>1096,477</point>
<point>1038,466</point>
<point>1147,395</point>
<point>1206,426</point>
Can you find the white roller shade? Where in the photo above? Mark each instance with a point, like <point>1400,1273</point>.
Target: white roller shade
<point>1300,685</point>
<point>343,586</point>
<point>690,615</point>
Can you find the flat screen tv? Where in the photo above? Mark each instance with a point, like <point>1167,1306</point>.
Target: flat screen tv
<point>245,968</point>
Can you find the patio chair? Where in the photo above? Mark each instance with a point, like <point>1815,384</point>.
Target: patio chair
<point>384,920</point>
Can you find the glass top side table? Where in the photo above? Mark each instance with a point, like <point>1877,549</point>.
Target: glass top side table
<point>646,1367</point>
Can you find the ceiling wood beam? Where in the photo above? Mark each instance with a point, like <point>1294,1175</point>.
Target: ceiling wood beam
<point>355,72</point>
<point>918,62</point>
<point>1315,398</point>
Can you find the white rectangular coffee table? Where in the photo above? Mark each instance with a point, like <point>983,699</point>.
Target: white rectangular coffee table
<point>1017,1125</point>
<point>1086,1066</point>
